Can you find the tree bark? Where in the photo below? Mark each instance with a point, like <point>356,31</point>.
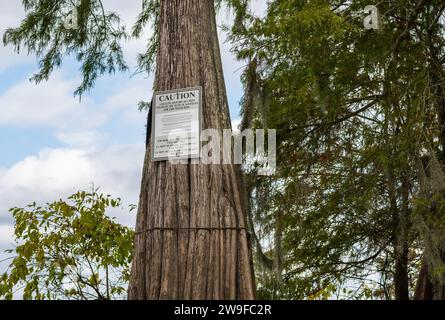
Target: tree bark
<point>430,286</point>
<point>424,287</point>
<point>191,241</point>
<point>400,216</point>
<point>401,248</point>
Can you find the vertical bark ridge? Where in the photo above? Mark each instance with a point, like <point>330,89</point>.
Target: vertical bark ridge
<point>201,263</point>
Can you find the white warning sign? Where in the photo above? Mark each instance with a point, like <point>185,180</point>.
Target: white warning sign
<point>176,124</point>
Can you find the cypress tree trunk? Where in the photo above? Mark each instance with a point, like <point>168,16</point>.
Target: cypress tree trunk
<point>191,241</point>
<point>430,285</point>
<point>401,247</point>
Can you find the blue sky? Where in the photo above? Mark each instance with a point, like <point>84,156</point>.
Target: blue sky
<point>52,145</point>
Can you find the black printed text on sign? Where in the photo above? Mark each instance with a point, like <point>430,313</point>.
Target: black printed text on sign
<point>176,124</point>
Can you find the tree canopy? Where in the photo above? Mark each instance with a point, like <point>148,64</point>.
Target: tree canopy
<point>356,202</point>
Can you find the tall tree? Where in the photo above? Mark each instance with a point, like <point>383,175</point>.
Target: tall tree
<point>191,238</point>
<point>355,111</point>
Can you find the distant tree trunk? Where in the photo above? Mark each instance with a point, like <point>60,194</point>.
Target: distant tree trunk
<point>424,287</point>
<point>401,282</point>
<point>278,248</point>
<point>191,241</point>
<point>399,234</point>
<point>430,286</point>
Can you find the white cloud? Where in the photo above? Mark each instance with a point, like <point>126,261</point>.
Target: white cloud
<point>6,242</point>
<point>83,139</point>
<point>6,235</point>
<point>47,104</point>
<point>11,13</point>
<point>129,95</point>
<point>57,173</point>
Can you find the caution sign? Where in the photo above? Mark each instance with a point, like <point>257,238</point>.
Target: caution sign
<point>176,124</point>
